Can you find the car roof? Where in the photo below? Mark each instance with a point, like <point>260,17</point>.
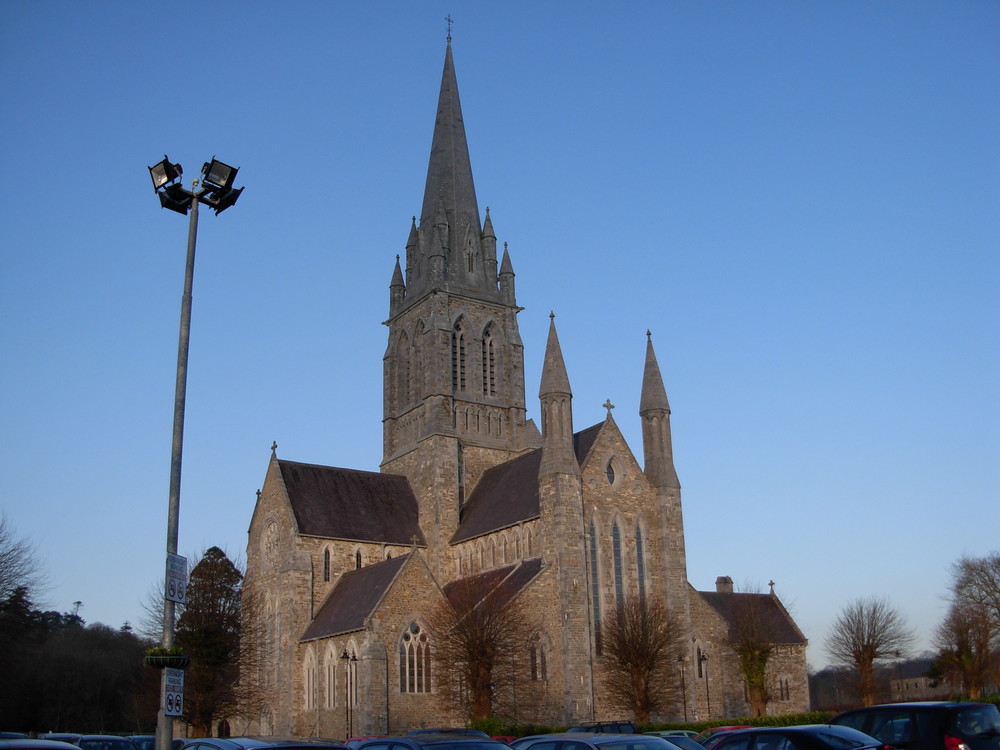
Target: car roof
<point>14,743</point>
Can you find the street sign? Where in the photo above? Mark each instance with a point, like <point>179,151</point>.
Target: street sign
<point>173,693</point>
<point>175,586</point>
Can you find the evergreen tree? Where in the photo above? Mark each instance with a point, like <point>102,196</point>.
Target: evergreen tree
<point>209,632</point>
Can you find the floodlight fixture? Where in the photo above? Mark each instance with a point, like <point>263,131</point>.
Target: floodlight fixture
<point>176,198</point>
<point>226,200</point>
<point>218,176</point>
<point>164,173</point>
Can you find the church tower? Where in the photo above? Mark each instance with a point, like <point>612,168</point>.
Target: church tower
<point>454,401</point>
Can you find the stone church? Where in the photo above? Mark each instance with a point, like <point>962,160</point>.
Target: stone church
<point>345,565</point>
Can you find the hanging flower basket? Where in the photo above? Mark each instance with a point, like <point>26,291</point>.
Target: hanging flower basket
<point>160,660</point>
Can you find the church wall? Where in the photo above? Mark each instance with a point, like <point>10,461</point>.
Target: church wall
<point>726,691</point>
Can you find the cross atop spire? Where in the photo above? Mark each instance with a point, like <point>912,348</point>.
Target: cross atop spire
<point>450,21</point>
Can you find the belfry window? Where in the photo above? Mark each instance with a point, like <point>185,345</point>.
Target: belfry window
<point>458,358</point>
<point>415,661</point>
<point>489,365</point>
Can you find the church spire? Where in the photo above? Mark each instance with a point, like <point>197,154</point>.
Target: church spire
<point>655,412</point>
<point>449,172</point>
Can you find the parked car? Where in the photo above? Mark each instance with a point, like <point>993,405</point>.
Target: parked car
<point>434,741</point>
<point>251,743</point>
<point>668,733</point>
<point>23,743</point>
<point>593,741</point>
<point>931,725</point>
<point>13,736</point>
<point>70,737</point>
<point>605,727</point>
<point>460,730</point>
<point>683,742</point>
<point>804,737</point>
<point>353,742</point>
<point>709,737</point>
<point>104,742</point>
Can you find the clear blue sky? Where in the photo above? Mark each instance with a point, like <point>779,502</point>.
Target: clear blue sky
<point>799,199</point>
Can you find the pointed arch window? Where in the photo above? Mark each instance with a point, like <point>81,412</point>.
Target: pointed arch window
<point>640,561</point>
<point>415,660</point>
<point>537,659</point>
<point>595,588</point>
<point>616,555</point>
<point>458,357</point>
<point>310,679</point>
<point>326,565</point>
<point>357,560</point>
<point>330,678</point>
<point>489,364</point>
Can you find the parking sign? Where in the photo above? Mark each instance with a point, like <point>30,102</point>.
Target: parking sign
<point>173,695</point>
<point>175,586</point>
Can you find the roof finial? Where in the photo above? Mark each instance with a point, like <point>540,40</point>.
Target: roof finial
<point>450,21</point>
<point>648,334</point>
<point>609,406</point>
<point>274,446</point>
<point>552,315</point>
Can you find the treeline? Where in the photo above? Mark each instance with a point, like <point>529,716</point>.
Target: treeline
<point>59,674</point>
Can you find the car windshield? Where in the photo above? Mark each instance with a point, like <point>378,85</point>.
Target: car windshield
<point>975,720</point>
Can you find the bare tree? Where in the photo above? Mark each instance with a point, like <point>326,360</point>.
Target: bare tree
<point>868,629</point>
<point>965,647</point>
<point>640,647</point>
<point>977,581</point>
<point>19,565</point>
<point>482,638</point>
<point>253,690</point>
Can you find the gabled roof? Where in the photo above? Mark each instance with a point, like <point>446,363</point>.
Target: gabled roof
<point>363,506</point>
<point>353,599</point>
<point>774,618</point>
<point>507,494</point>
<point>506,582</point>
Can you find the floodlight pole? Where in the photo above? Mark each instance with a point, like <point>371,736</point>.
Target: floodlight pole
<point>164,723</point>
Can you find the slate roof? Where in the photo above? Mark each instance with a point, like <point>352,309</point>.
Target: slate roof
<point>363,506</point>
<point>506,582</point>
<point>353,599</point>
<point>507,494</point>
<point>773,615</point>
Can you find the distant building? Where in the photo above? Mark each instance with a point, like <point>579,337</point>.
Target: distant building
<point>347,564</point>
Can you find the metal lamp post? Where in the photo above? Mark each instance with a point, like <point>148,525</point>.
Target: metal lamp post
<point>216,192</point>
<point>348,660</point>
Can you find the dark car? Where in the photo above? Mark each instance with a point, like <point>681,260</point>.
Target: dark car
<point>434,741</point>
<point>605,727</point>
<point>711,736</point>
<point>593,741</point>
<point>71,737</point>
<point>9,743</point>
<point>251,743</point>
<point>463,731</point>
<point>104,742</point>
<point>933,725</point>
<point>805,737</point>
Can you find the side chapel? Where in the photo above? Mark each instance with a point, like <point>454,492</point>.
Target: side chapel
<point>345,564</point>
